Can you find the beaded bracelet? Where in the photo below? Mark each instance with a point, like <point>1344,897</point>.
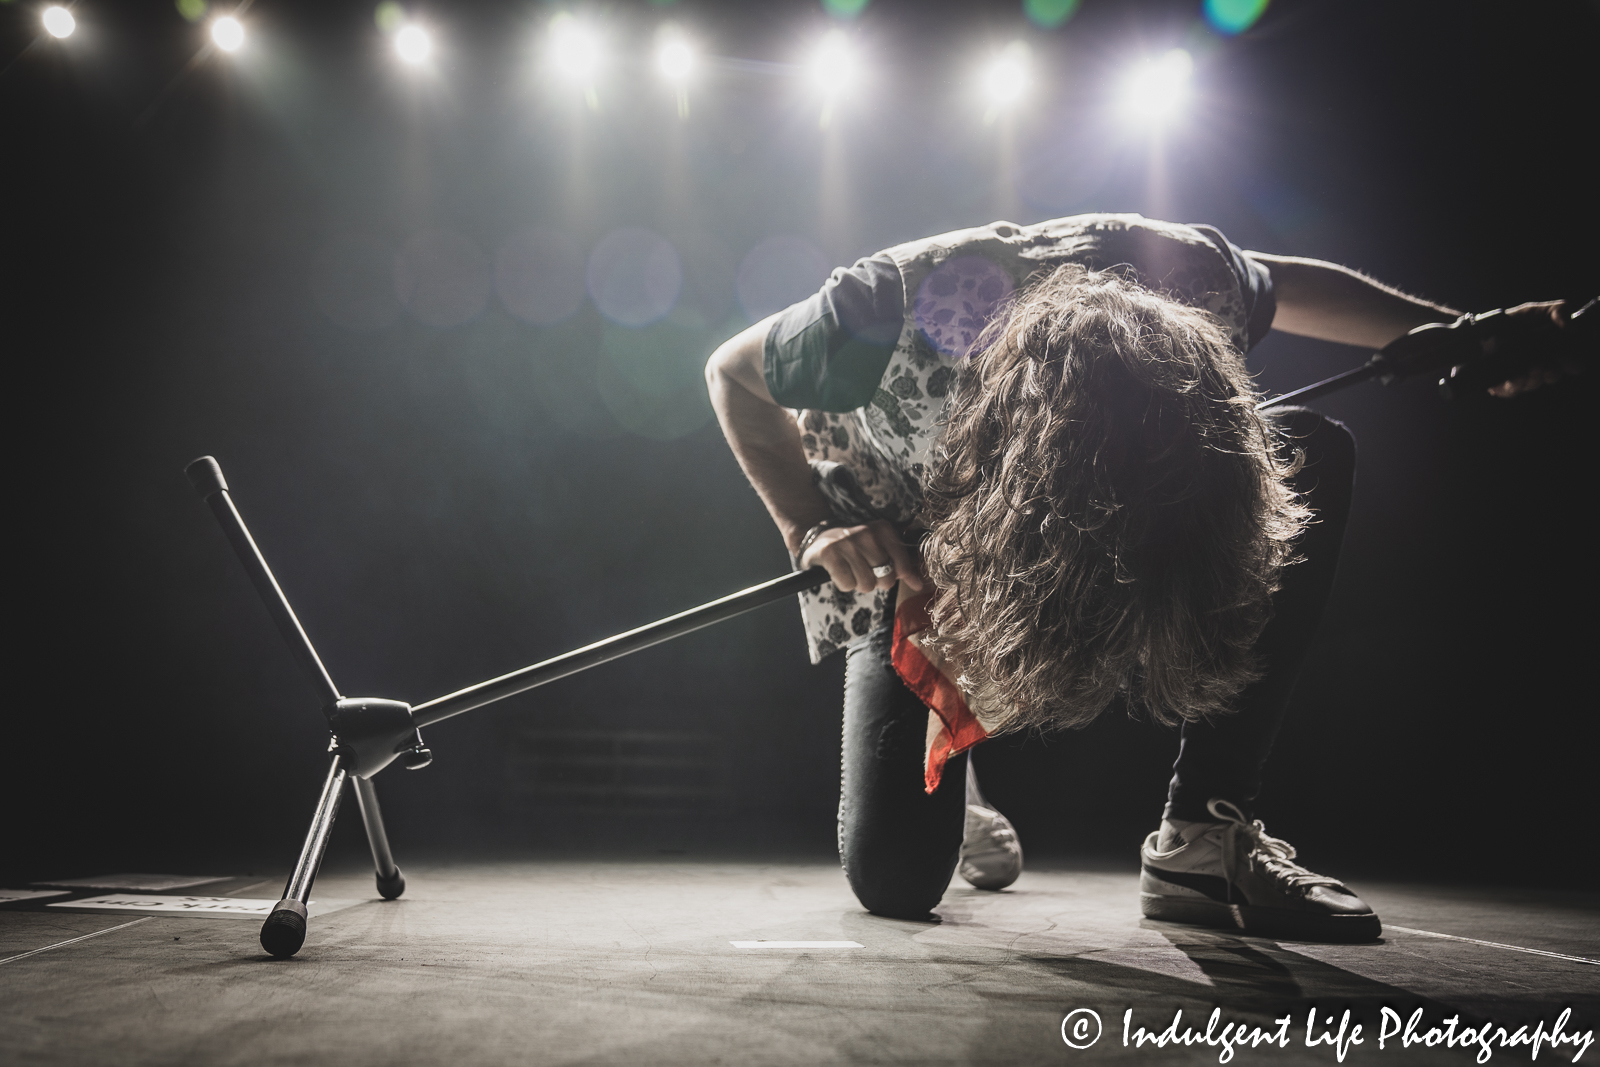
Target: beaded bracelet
<point>805,542</point>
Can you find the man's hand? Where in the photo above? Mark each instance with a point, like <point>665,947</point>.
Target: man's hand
<point>1545,372</point>
<point>766,442</point>
<point>863,558</point>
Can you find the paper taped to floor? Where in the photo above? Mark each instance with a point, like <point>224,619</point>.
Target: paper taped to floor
<point>223,907</point>
<point>7,896</point>
<point>145,883</point>
<point>795,944</point>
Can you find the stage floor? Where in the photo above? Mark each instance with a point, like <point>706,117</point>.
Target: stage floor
<point>611,962</point>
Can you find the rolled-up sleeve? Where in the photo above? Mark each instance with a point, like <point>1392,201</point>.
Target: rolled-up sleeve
<point>1255,284</point>
<point>829,351</point>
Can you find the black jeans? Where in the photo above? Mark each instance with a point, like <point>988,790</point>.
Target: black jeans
<point>899,846</point>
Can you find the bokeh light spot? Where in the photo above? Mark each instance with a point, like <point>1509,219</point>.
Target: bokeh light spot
<point>1049,13</point>
<point>389,16</point>
<point>352,281</point>
<point>634,276</point>
<point>663,358</point>
<point>192,10</point>
<point>955,302</point>
<point>778,272</point>
<point>58,22</point>
<point>442,278</point>
<point>651,379</point>
<point>1234,16</point>
<point>709,270</point>
<point>844,9</point>
<point>562,360</point>
<point>539,276</point>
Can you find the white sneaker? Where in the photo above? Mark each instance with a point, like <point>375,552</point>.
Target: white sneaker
<point>991,855</point>
<point>1231,874</point>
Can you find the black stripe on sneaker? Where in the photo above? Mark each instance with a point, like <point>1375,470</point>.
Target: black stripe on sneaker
<point>1212,885</point>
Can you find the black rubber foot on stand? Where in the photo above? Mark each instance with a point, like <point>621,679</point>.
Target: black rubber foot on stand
<point>391,887</point>
<point>285,929</point>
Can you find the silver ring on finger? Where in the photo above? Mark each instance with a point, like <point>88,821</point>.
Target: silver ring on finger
<point>883,570</point>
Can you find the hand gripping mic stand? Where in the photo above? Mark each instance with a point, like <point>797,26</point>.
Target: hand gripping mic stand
<point>369,733</point>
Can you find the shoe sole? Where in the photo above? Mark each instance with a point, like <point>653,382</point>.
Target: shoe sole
<point>991,869</point>
<point>1260,922</point>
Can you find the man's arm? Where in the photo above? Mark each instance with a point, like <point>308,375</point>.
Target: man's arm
<point>766,441</point>
<point>1334,303</point>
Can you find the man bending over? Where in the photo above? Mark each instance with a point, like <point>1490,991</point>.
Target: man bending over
<point>1030,459</point>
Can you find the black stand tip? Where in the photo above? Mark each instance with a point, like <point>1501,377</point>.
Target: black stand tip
<point>285,929</point>
<point>205,474</point>
<point>391,887</point>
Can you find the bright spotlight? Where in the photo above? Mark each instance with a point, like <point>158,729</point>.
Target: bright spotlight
<point>675,59</point>
<point>58,22</point>
<point>412,44</point>
<point>1157,87</point>
<point>574,50</point>
<point>227,34</point>
<point>1005,79</point>
<point>834,68</point>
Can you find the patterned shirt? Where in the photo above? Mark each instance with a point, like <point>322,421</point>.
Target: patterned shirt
<point>868,363</point>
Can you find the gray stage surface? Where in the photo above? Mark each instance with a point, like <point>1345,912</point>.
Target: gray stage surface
<point>588,961</point>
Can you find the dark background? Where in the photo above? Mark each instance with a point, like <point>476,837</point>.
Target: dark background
<point>443,504</point>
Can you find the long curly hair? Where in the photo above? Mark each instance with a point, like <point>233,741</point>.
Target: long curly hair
<point>1108,512</point>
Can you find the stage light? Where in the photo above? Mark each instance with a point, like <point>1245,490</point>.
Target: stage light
<point>1157,88</point>
<point>834,68</point>
<point>675,59</point>
<point>227,34</point>
<point>575,50</point>
<point>412,44</point>
<point>58,21</point>
<point>1005,79</point>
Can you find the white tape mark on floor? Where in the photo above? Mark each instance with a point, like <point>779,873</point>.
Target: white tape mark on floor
<point>795,944</point>
<point>1493,944</point>
<point>74,940</point>
<point>240,907</point>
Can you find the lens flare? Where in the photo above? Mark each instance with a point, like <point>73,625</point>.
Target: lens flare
<point>389,16</point>
<point>58,22</point>
<point>634,276</point>
<point>1233,16</point>
<point>412,44</point>
<point>844,9</point>
<point>1049,13</point>
<point>227,34</point>
<point>1157,88</point>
